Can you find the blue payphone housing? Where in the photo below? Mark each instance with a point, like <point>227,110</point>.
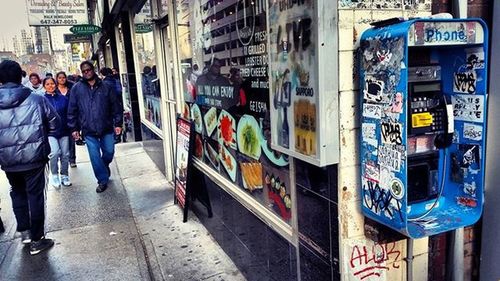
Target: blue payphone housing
<point>423,124</point>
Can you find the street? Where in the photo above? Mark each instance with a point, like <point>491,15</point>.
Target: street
<point>132,231</point>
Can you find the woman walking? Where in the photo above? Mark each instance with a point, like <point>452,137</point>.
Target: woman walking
<point>59,140</point>
<point>64,87</point>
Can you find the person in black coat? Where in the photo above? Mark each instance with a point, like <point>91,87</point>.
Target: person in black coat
<point>94,110</point>
<point>26,120</point>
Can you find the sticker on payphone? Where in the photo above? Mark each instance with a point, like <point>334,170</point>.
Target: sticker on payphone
<point>420,120</point>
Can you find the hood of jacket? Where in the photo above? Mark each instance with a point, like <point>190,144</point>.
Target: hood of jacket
<point>12,95</point>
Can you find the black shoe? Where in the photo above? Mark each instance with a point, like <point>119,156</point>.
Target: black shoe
<point>40,245</point>
<point>101,188</point>
<point>72,165</point>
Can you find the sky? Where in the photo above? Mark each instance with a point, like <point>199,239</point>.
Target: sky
<point>14,18</point>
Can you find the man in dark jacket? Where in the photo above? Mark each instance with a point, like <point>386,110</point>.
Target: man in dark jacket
<point>94,109</point>
<point>26,120</point>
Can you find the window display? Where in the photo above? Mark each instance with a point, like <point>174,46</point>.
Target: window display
<point>146,63</point>
<point>223,54</point>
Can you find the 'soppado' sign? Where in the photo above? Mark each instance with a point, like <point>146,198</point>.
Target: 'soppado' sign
<point>57,13</point>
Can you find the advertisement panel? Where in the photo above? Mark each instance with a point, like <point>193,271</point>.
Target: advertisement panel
<point>57,13</point>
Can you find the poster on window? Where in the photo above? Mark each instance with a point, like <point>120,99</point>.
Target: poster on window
<point>224,66</point>
<point>293,73</point>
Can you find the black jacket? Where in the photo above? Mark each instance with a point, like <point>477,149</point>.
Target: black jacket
<point>93,110</point>
<point>26,120</point>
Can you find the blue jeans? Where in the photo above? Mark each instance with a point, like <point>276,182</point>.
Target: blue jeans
<point>100,161</point>
<point>59,149</point>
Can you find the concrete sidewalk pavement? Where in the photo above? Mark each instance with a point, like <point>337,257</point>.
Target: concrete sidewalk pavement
<point>132,231</point>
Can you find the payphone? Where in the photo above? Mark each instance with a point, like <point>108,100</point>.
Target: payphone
<point>423,123</point>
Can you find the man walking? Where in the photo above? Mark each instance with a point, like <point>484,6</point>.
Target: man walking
<point>94,110</point>
<point>26,120</point>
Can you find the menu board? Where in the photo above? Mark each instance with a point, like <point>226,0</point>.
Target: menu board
<point>182,163</point>
<point>293,64</point>
<point>224,61</point>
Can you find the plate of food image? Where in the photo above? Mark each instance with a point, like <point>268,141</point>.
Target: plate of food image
<point>248,137</point>
<point>212,156</point>
<point>226,133</point>
<point>228,162</point>
<point>198,147</point>
<point>210,120</point>
<point>196,115</point>
<point>186,113</point>
<point>252,175</point>
<point>274,156</point>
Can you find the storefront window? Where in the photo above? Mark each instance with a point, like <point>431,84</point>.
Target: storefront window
<point>223,59</point>
<point>146,61</point>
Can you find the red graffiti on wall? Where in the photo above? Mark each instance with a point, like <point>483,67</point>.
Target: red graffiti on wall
<point>368,262</point>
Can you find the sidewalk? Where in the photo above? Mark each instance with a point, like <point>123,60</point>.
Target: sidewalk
<point>132,231</point>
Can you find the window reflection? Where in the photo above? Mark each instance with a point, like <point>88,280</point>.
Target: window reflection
<point>150,86</point>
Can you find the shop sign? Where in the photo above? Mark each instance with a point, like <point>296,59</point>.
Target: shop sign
<point>183,165</point>
<point>144,16</point>
<point>72,38</point>
<point>57,13</point>
<point>143,28</point>
<point>85,29</point>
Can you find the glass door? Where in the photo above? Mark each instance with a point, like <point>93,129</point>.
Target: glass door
<point>170,101</point>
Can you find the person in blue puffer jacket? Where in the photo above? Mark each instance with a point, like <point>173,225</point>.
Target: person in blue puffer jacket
<point>26,120</point>
<point>58,140</point>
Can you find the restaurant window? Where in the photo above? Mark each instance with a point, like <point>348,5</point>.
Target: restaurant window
<point>223,57</point>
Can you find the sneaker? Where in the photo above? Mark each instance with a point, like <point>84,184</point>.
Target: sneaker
<point>26,237</point>
<point>65,181</point>
<point>40,245</point>
<point>55,181</point>
<point>72,165</point>
<point>101,188</point>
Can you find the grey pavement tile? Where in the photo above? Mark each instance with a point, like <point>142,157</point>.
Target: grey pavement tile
<point>88,253</point>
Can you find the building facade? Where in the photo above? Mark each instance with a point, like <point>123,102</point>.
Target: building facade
<point>280,211</point>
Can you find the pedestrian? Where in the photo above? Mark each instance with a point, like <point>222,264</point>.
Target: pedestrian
<point>58,140</point>
<point>95,111</point>
<point>35,84</point>
<point>64,87</point>
<point>25,78</point>
<point>114,84</point>
<point>26,120</point>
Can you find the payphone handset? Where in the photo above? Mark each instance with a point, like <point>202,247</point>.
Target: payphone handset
<point>430,112</point>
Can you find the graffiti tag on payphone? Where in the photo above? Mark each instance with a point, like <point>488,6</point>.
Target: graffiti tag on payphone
<point>465,82</point>
<point>389,157</point>
<point>468,107</point>
<point>392,133</point>
<point>473,132</point>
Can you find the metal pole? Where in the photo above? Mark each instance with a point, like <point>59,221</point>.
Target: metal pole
<point>457,255</point>
<point>409,259</point>
<point>50,40</point>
